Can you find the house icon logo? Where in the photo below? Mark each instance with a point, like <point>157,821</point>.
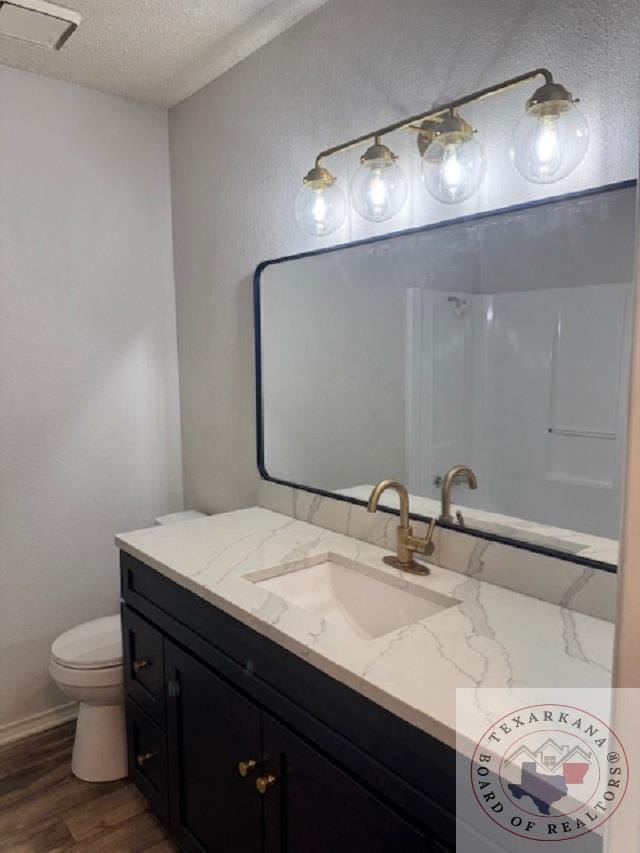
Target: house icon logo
<point>549,772</point>
<point>545,774</point>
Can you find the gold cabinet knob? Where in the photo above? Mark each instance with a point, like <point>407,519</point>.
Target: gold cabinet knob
<point>245,767</point>
<point>140,664</point>
<point>264,782</point>
<point>142,759</point>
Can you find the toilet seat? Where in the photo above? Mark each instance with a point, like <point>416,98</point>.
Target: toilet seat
<point>95,645</point>
<point>69,676</point>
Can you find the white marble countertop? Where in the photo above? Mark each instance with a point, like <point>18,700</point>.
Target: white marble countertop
<point>493,638</point>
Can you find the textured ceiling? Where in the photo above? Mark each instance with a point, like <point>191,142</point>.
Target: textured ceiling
<point>158,51</point>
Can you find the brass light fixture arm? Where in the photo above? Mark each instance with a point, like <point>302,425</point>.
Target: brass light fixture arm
<point>411,122</point>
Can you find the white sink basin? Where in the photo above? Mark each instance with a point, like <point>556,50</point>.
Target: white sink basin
<point>366,601</point>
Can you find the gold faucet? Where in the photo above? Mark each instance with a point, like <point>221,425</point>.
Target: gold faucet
<point>407,543</point>
<point>447,484</point>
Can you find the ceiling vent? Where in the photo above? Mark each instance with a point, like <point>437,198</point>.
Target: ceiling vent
<point>38,22</point>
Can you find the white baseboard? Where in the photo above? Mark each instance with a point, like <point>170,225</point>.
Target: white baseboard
<point>38,722</point>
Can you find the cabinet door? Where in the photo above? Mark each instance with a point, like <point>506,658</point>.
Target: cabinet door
<point>314,807</point>
<point>211,728</point>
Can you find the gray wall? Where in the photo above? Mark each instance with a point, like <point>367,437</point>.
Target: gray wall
<point>89,416</point>
<point>240,147</point>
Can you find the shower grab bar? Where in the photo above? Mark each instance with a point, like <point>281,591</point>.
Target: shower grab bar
<point>583,433</point>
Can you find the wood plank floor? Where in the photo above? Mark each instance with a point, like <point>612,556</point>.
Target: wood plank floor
<point>44,808</point>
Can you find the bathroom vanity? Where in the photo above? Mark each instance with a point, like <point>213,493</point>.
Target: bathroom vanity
<point>257,720</point>
<point>218,711</point>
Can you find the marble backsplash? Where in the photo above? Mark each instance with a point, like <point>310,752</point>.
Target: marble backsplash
<point>569,585</point>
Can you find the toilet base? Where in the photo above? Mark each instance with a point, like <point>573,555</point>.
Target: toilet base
<point>100,745</point>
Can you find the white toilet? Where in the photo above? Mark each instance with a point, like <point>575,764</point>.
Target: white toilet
<point>86,664</point>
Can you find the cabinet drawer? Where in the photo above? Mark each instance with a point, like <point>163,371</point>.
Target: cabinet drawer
<point>144,665</point>
<point>147,758</point>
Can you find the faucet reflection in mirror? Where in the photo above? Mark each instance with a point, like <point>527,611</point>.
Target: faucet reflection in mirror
<point>549,141</point>
<point>457,472</point>
<point>406,543</point>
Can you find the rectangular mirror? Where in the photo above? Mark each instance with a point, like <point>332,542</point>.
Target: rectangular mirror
<point>500,341</point>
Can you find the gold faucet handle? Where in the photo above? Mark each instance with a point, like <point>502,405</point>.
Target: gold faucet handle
<point>424,546</point>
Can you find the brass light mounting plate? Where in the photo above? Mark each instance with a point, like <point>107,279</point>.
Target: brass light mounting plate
<point>318,177</point>
<point>550,99</point>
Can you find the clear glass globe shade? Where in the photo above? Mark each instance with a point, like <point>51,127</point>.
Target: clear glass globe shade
<point>452,172</point>
<point>547,148</point>
<point>320,210</point>
<point>378,190</point>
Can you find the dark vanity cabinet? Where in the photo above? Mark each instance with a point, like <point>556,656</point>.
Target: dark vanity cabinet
<point>239,746</point>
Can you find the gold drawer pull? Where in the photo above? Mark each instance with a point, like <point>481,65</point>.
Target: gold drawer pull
<point>264,782</point>
<point>245,767</point>
<point>140,664</point>
<point>142,759</point>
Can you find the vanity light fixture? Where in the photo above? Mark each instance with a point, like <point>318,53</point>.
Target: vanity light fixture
<point>453,163</point>
<point>552,136</point>
<point>549,142</point>
<point>379,186</point>
<point>320,206</point>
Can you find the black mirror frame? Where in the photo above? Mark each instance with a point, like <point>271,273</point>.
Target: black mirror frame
<point>470,531</point>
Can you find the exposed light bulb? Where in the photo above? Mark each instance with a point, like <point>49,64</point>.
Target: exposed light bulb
<point>453,162</point>
<point>552,136</point>
<point>379,186</point>
<point>451,169</point>
<point>377,193</point>
<point>320,208</point>
<point>548,145</point>
<point>320,204</point>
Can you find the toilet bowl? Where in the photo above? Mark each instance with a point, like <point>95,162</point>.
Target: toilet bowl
<point>86,664</point>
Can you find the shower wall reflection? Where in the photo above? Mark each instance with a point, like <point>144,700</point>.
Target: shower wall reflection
<point>529,389</point>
